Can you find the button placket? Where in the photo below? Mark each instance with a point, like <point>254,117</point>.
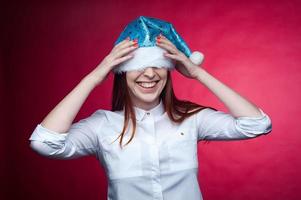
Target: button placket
<point>154,163</point>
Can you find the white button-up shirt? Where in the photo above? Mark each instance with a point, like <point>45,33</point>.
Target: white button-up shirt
<point>161,162</point>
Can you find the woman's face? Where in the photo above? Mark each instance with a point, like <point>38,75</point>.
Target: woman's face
<point>146,86</point>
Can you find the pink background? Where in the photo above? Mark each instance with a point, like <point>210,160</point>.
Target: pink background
<point>254,48</point>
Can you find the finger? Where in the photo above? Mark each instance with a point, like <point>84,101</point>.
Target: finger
<point>172,56</point>
<point>122,42</point>
<point>168,47</point>
<point>179,56</point>
<point>176,50</point>
<point>124,51</point>
<point>164,39</point>
<point>127,44</point>
<point>122,59</point>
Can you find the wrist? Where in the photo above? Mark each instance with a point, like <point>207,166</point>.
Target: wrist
<point>200,74</point>
<point>92,79</point>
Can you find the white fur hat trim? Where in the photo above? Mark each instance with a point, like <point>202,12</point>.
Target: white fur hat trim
<point>146,57</point>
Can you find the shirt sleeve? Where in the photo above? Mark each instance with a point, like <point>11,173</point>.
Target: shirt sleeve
<point>217,125</point>
<point>80,140</point>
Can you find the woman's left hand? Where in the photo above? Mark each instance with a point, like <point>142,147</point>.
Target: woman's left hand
<point>183,64</point>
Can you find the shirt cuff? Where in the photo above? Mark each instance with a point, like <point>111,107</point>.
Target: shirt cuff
<point>50,137</point>
<point>253,126</point>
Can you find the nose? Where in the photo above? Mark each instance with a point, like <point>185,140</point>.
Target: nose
<point>149,71</point>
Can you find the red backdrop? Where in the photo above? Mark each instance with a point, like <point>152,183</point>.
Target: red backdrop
<point>254,48</point>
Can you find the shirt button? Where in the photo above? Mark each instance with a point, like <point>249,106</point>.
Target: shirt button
<point>148,113</point>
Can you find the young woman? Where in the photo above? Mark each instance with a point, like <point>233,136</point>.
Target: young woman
<point>156,154</point>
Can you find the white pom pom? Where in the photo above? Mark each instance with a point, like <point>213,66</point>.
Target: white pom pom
<point>196,57</point>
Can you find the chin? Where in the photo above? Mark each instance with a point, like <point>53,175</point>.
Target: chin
<point>147,97</point>
<point>149,100</point>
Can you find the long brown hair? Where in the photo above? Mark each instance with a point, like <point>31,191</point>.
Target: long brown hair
<point>177,110</point>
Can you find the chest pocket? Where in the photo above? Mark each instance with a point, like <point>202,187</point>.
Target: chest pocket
<point>125,162</point>
<point>182,150</point>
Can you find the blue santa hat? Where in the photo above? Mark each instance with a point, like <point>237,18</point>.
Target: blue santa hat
<point>148,54</point>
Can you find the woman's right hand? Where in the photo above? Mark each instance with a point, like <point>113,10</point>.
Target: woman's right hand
<point>120,53</point>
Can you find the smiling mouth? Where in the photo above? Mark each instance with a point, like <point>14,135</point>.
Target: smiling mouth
<point>147,84</point>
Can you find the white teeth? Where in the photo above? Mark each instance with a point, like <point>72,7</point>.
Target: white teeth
<point>147,85</point>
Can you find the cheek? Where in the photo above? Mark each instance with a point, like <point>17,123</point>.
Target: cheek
<point>164,80</point>
<point>130,82</point>
<point>163,85</point>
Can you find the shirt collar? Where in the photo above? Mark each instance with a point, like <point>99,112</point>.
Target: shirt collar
<point>157,111</point>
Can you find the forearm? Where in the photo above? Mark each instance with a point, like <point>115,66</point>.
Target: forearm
<point>63,114</point>
<point>236,104</point>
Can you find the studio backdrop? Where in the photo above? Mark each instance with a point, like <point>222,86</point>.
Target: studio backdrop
<point>253,47</point>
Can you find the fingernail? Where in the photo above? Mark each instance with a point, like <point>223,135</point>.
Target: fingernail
<point>128,38</point>
<point>136,45</point>
<point>135,40</point>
